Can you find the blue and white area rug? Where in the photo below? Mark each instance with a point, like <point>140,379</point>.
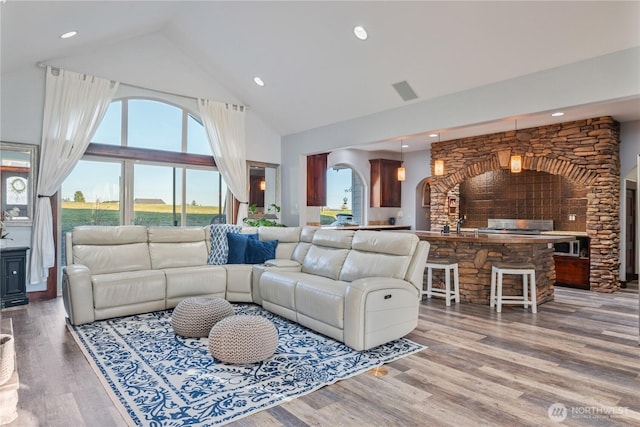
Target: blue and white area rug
<point>160,379</point>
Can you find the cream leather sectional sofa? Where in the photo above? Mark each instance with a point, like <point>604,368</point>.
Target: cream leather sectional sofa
<point>358,287</point>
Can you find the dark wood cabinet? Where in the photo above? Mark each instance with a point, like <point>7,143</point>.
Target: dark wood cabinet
<point>317,180</point>
<point>385,188</point>
<point>14,277</point>
<point>572,271</point>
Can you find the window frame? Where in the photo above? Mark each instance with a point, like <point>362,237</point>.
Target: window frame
<point>128,156</point>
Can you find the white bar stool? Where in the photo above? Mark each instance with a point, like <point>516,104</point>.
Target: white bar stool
<point>528,273</point>
<point>449,266</point>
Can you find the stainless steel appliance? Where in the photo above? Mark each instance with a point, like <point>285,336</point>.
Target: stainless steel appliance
<point>516,226</point>
<point>567,248</point>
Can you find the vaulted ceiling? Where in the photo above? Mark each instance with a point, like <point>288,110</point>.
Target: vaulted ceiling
<point>315,71</point>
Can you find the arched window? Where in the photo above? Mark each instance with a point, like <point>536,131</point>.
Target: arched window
<point>149,163</point>
<point>344,197</point>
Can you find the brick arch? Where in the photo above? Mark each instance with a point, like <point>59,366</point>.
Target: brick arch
<point>584,151</point>
<point>550,165</point>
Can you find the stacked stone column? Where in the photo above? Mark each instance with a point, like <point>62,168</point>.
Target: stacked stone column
<point>584,151</point>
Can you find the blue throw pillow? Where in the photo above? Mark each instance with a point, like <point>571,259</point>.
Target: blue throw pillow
<point>258,252</point>
<point>238,246</point>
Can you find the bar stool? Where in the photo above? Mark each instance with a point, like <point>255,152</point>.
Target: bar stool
<point>449,266</point>
<point>528,273</point>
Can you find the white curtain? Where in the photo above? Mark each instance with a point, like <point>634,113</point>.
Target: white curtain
<point>73,108</point>
<point>224,124</point>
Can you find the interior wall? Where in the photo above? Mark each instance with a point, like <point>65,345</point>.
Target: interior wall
<point>151,62</point>
<point>629,151</point>
<point>548,90</point>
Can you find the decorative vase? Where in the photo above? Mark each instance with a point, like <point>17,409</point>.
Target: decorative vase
<point>7,357</point>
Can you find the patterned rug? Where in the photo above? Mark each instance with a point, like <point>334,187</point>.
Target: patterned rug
<point>160,379</point>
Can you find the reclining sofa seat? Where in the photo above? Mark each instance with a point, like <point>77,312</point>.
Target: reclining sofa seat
<point>122,270</point>
<point>361,288</point>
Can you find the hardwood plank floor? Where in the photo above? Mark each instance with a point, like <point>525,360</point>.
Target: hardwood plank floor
<point>481,369</point>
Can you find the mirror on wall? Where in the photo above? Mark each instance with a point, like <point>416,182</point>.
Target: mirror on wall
<point>263,185</point>
<point>18,165</point>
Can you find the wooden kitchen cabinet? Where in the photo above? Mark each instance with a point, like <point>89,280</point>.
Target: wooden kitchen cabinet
<point>385,188</point>
<point>572,271</point>
<point>317,180</point>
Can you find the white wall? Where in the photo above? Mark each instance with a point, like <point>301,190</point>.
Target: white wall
<point>150,61</point>
<point>629,151</point>
<point>570,85</point>
<point>358,161</point>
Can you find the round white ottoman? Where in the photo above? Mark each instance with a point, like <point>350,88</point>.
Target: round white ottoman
<point>243,339</point>
<point>194,317</point>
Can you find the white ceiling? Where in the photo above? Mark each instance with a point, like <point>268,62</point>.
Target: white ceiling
<point>317,73</point>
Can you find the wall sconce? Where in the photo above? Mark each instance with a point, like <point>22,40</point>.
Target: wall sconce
<point>438,167</point>
<point>263,185</point>
<point>516,163</point>
<point>402,172</point>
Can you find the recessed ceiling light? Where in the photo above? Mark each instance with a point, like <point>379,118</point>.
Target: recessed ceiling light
<point>433,135</point>
<point>68,35</point>
<point>558,114</point>
<point>258,81</point>
<point>405,146</point>
<point>360,32</point>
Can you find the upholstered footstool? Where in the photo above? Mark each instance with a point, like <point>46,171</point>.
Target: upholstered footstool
<point>194,317</point>
<point>243,339</point>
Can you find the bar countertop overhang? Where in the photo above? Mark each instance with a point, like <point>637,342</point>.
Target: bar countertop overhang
<point>476,253</point>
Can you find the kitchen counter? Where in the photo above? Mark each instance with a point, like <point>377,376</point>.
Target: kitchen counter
<point>470,236</point>
<point>367,227</point>
<point>476,255</point>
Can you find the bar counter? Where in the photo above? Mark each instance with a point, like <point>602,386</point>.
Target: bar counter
<point>477,253</point>
<point>381,227</point>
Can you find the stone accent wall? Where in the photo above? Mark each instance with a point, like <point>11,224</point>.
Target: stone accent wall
<point>474,268</point>
<point>585,152</point>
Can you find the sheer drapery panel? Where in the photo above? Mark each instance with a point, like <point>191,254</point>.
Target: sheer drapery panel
<point>74,107</point>
<point>225,127</point>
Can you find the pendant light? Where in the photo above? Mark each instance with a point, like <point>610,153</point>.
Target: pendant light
<point>402,173</point>
<point>438,165</point>
<point>515,163</point>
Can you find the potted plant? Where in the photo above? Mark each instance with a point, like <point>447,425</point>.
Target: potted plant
<point>256,219</point>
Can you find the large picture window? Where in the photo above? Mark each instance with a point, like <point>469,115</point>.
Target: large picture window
<point>149,163</point>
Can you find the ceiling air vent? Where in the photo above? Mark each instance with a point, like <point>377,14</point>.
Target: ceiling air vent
<point>405,91</point>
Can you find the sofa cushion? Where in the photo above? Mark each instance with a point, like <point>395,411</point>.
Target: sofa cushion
<point>323,261</point>
<point>121,289</point>
<point>378,254</point>
<point>203,280</point>
<point>306,237</point>
<point>109,235</point>
<point>287,237</point>
<point>278,288</point>
<point>102,259</point>
<point>339,239</point>
<point>258,252</point>
<point>321,299</point>
<point>238,247</point>
<point>219,252</point>
<point>108,249</point>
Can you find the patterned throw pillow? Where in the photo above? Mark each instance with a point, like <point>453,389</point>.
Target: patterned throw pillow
<point>219,244</point>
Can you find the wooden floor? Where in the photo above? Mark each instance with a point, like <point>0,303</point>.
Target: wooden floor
<point>481,368</point>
